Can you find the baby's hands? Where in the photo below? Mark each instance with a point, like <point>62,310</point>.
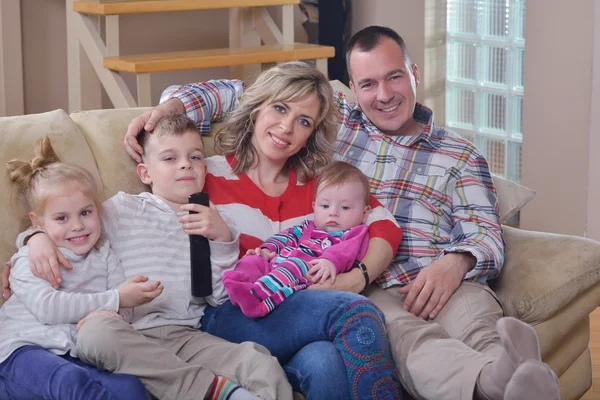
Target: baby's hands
<point>111,314</point>
<point>137,291</point>
<point>207,222</point>
<point>264,253</point>
<point>322,270</point>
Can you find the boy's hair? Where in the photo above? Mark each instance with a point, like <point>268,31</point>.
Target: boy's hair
<point>368,38</point>
<point>172,124</point>
<point>290,81</point>
<point>340,172</point>
<point>37,178</point>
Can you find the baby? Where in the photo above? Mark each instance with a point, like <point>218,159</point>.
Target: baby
<point>311,252</point>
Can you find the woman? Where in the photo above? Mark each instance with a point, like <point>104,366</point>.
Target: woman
<point>332,344</point>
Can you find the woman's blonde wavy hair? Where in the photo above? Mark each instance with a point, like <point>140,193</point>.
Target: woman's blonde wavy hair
<point>285,82</point>
<point>40,177</point>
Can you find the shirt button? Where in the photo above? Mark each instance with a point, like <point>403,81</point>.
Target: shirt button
<point>419,169</point>
<point>350,153</point>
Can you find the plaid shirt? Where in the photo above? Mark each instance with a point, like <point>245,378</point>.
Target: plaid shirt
<point>437,184</point>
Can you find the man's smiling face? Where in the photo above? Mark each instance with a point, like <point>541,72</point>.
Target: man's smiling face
<point>385,86</point>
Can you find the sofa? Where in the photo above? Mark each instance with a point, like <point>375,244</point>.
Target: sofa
<point>549,281</point>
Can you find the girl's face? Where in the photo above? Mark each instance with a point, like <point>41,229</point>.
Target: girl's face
<point>338,208</point>
<point>71,221</point>
<point>281,129</point>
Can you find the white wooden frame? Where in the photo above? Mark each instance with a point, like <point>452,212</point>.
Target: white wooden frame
<point>248,27</point>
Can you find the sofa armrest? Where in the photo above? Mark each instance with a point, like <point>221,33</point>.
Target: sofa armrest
<point>543,272</point>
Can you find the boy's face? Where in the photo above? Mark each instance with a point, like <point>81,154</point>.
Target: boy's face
<point>338,208</point>
<point>174,166</point>
<point>71,220</point>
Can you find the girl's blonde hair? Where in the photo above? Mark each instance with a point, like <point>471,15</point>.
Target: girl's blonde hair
<point>285,82</point>
<point>37,178</point>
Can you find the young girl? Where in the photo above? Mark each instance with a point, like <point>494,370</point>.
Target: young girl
<point>329,245</point>
<point>37,324</point>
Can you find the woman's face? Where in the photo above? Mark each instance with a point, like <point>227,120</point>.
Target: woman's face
<point>281,129</point>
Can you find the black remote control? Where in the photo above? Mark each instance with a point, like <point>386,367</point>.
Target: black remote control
<point>201,268</point>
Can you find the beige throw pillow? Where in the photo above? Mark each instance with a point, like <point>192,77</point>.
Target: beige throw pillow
<point>511,196</point>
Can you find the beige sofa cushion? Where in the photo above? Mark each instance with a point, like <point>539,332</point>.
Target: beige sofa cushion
<point>17,138</point>
<point>511,197</point>
<point>104,131</point>
<point>543,272</point>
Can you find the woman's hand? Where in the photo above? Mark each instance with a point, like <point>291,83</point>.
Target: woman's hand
<point>351,281</point>
<point>321,270</point>
<point>147,121</point>
<point>207,222</point>
<point>45,260</point>
<point>137,291</point>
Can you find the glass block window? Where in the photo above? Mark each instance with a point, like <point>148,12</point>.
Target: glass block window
<point>484,89</point>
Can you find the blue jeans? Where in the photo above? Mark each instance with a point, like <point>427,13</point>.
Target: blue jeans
<point>318,371</point>
<point>32,372</point>
<point>349,321</point>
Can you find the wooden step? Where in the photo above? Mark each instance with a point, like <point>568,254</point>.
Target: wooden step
<point>114,7</point>
<point>160,62</point>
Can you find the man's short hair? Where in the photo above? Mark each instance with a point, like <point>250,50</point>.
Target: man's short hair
<point>172,124</point>
<point>368,38</point>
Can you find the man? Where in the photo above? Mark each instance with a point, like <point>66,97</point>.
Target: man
<point>445,325</point>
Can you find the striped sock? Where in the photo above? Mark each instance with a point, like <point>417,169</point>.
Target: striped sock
<point>224,389</point>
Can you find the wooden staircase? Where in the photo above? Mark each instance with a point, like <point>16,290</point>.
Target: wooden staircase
<point>254,39</point>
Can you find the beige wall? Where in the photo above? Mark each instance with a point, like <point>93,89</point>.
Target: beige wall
<point>45,48</point>
<point>11,59</point>
<point>557,111</point>
<point>593,199</point>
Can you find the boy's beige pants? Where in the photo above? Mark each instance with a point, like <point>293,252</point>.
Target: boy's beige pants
<point>442,359</point>
<point>178,362</point>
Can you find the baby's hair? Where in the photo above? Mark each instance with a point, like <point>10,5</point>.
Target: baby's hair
<point>172,124</point>
<point>338,173</point>
<point>40,178</point>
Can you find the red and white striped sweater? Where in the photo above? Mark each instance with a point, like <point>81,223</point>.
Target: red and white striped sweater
<point>258,216</point>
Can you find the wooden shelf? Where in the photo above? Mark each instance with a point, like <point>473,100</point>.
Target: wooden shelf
<point>115,7</point>
<point>160,62</point>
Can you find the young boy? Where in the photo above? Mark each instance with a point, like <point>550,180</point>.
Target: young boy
<point>163,345</point>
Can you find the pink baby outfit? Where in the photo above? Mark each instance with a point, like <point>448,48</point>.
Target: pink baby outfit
<point>257,286</point>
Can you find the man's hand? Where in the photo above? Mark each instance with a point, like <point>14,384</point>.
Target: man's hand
<point>321,270</point>
<point>148,121</point>
<point>137,291</point>
<point>261,252</point>
<point>45,260</point>
<point>431,290</point>
<point>207,222</point>
<point>95,314</point>
<point>5,284</point>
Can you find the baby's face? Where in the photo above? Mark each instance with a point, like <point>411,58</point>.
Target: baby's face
<point>338,208</point>
<point>175,166</point>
